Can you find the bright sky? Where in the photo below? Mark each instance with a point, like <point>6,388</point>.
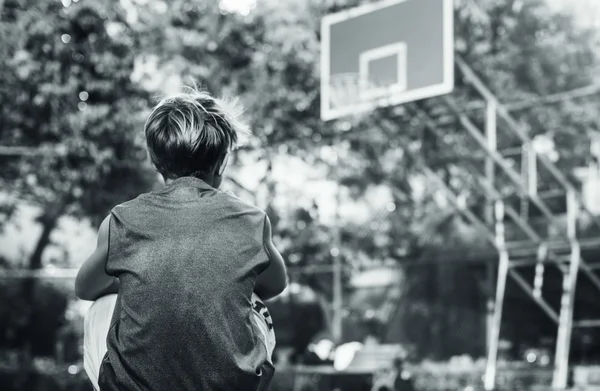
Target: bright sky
<point>587,12</point>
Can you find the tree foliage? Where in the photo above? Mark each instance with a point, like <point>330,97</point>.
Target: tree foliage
<point>66,89</point>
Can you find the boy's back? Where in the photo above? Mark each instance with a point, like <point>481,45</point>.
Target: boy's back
<point>187,258</point>
<point>186,262</point>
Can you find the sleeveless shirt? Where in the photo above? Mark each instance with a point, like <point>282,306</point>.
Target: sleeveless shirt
<point>187,258</point>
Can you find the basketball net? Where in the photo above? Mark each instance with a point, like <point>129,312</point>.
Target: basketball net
<point>347,89</point>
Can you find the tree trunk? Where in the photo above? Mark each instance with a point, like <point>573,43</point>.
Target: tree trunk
<point>48,220</point>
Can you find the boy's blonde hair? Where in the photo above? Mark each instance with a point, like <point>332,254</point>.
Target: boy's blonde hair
<point>189,133</point>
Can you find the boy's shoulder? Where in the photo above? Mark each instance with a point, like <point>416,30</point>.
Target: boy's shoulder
<point>227,198</point>
<point>132,202</point>
<point>233,199</point>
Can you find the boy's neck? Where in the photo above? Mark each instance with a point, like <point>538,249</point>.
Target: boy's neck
<point>209,179</point>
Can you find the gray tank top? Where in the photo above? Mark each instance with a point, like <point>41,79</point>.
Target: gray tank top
<point>187,258</point>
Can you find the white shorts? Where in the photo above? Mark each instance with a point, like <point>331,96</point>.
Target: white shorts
<point>98,318</point>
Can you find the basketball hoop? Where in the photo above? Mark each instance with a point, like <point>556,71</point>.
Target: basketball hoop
<point>346,90</point>
<point>385,54</point>
<point>349,90</point>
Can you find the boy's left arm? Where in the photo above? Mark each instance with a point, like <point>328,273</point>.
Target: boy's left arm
<point>92,281</point>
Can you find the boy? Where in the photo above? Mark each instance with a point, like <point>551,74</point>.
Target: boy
<point>187,262</point>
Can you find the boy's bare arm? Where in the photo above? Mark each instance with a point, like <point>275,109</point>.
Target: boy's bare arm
<point>273,280</point>
<point>92,281</point>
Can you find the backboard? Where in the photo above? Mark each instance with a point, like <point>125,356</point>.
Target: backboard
<point>385,53</point>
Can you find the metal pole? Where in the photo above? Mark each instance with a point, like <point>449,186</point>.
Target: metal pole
<point>492,354</point>
<point>492,144</point>
<point>337,299</point>
<point>490,171</point>
<point>532,175</point>
<point>489,321</point>
<point>442,118</point>
<point>525,180</point>
<point>538,282</point>
<point>337,272</point>
<point>565,325</point>
<point>587,323</point>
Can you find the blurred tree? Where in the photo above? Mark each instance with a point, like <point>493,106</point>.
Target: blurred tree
<point>66,90</point>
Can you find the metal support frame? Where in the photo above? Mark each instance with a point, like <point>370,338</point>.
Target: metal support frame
<point>516,129</point>
<point>565,325</point>
<point>528,189</point>
<point>492,356</point>
<point>513,175</point>
<point>528,175</point>
<point>490,177</point>
<point>538,282</point>
<point>338,300</point>
<point>593,89</point>
<point>548,251</point>
<point>527,186</point>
